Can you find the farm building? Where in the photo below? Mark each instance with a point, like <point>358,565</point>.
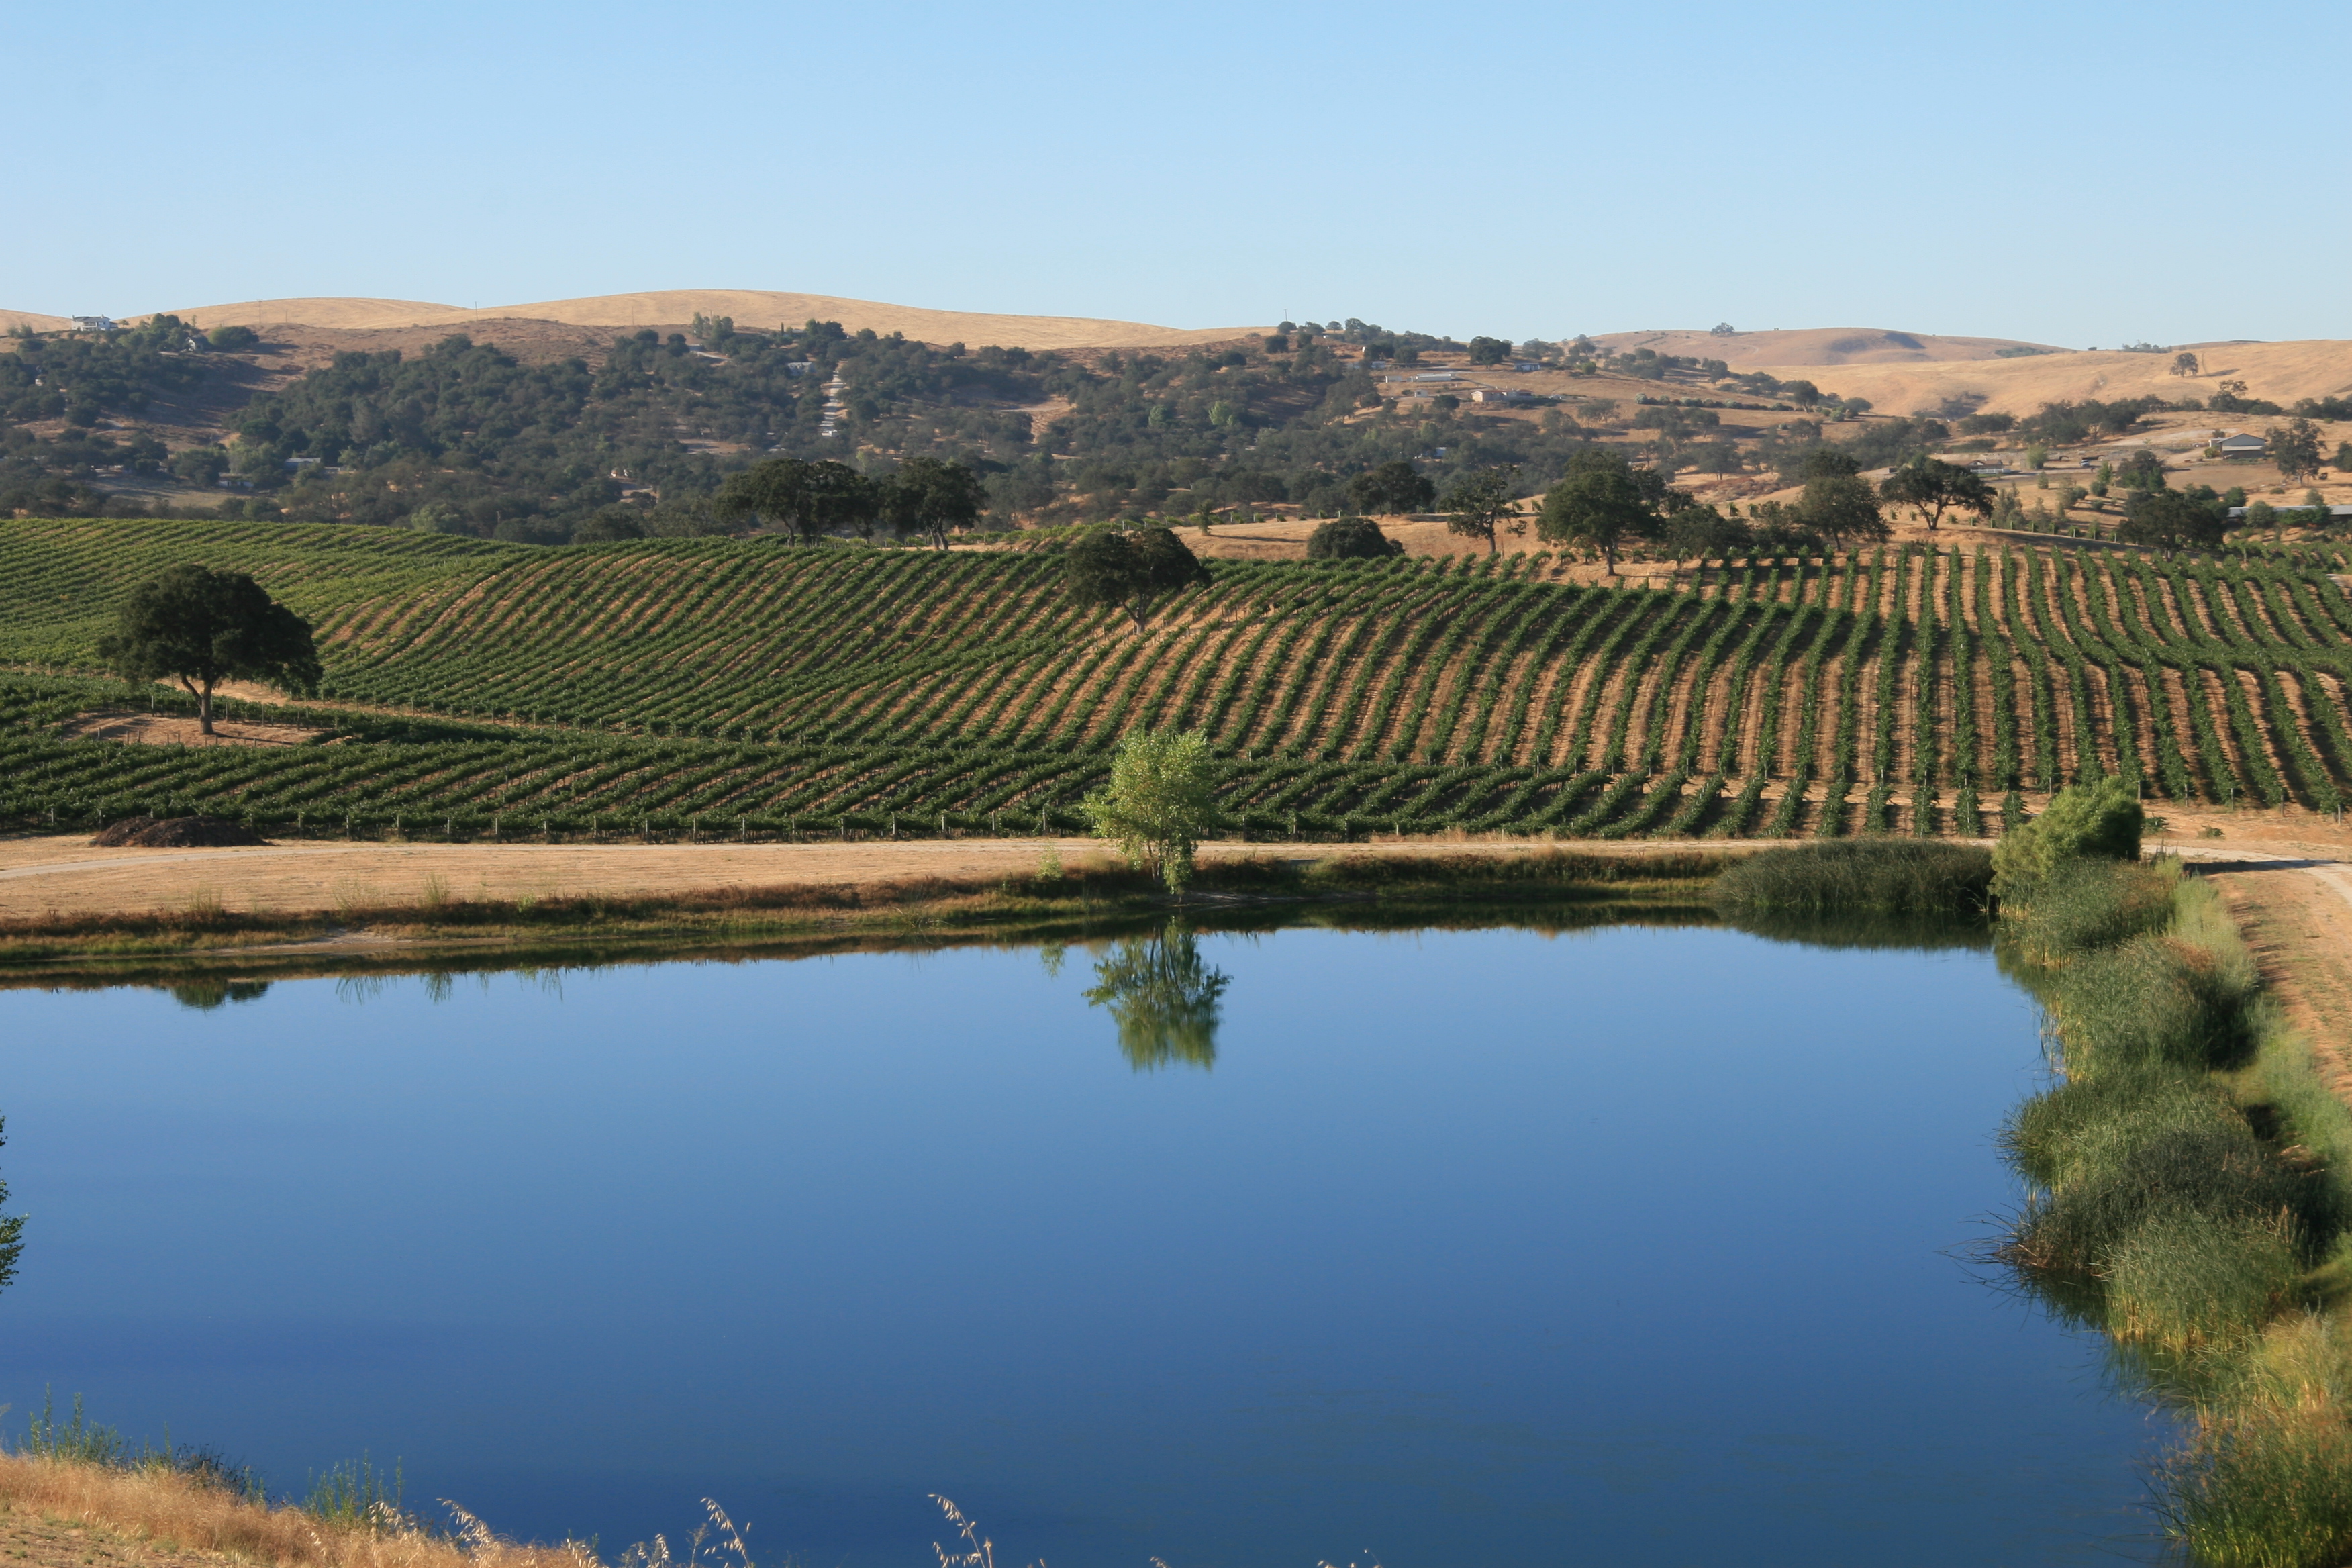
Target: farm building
<point>2242,445</point>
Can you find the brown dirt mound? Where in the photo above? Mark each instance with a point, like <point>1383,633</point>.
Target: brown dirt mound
<point>176,833</point>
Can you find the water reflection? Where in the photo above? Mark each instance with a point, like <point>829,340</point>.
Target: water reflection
<point>1167,1002</point>
<point>206,994</point>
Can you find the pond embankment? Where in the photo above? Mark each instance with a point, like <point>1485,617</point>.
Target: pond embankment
<point>70,911</point>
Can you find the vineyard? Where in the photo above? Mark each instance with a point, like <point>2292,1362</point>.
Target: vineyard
<point>730,688</point>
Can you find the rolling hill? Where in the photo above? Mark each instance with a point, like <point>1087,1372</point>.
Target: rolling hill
<point>675,307</point>
<point>859,690</point>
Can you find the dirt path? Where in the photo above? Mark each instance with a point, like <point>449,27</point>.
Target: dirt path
<point>59,874</point>
<point>30,1538</point>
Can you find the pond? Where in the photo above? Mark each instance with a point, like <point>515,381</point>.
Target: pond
<point>1641,1245</point>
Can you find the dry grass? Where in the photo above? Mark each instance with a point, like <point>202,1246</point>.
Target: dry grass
<point>174,1515</point>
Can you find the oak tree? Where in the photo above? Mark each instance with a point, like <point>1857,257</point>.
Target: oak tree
<point>200,628</point>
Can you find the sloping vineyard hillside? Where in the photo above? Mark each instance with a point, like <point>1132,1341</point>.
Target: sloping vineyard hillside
<point>718,685</point>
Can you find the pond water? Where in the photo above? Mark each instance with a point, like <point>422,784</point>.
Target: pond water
<point>1638,1246</point>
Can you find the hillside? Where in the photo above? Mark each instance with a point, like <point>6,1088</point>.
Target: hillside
<point>674,308</point>
<point>1778,350</point>
<point>2281,372</point>
<point>677,680</point>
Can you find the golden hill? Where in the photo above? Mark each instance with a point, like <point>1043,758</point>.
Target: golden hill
<point>1812,346</point>
<point>2284,372</point>
<point>674,308</point>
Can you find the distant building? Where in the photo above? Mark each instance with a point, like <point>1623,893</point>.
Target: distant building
<point>799,366</point>
<point>2242,445</point>
<point>1435,375</point>
<point>93,323</point>
<point>2337,513</point>
<point>1493,394</point>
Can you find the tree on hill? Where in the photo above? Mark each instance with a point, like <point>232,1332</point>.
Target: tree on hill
<point>1934,487</point>
<point>1395,486</point>
<point>2184,364</point>
<point>1131,571</point>
<point>1350,539</point>
<point>926,496</point>
<point>1475,506</point>
<point>2295,447</point>
<point>1843,509</point>
<point>1489,350</point>
<point>810,499</point>
<point>2170,520</point>
<point>1599,505</point>
<point>200,628</point>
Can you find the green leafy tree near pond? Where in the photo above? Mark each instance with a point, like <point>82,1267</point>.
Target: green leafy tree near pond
<point>1166,1001</point>
<point>12,1227</point>
<point>200,628</point>
<point>2100,818</point>
<point>1160,802</point>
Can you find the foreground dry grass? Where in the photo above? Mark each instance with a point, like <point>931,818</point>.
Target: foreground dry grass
<point>62,1515</point>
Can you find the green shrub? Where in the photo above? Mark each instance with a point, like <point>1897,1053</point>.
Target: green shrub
<point>2100,818</point>
<point>1874,875</point>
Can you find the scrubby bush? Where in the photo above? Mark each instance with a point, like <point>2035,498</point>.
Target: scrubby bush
<point>1350,539</point>
<point>2100,818</point>
<point>1877,876</point>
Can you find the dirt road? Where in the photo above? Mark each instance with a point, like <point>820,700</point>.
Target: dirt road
<point>61,875</point>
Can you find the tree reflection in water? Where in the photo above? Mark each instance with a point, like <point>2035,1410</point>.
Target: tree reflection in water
<point>1164,997</point>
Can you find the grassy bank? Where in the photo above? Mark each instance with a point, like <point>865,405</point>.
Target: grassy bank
<point>2189,1198</point>
<point>1054,903</point>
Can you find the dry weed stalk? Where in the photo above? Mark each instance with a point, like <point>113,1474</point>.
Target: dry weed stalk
<point>159,1504</point>
<point>979,1551</point>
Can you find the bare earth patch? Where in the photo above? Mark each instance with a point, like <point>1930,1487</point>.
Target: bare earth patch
<point>177,730</point>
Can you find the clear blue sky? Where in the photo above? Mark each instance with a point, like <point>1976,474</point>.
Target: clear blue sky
<point>2074,174</point>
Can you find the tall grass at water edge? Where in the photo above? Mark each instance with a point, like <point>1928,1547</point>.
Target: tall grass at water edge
<point>2188,1198</point>
<point>1850,875</point>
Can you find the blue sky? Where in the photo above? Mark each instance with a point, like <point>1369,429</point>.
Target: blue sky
<point>2073,173</point>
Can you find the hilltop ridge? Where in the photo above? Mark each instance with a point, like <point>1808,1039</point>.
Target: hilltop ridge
<point>674,308</point>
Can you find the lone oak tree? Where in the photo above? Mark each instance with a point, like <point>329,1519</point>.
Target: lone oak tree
<point>1600,504</point>
<point>1934,486</point>
<point>810,499</point>
<point>1477,506</point>
<point>1131,571</point>
<point>1841,509</point>
<point>926,496</point>
<point>200,628</point>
